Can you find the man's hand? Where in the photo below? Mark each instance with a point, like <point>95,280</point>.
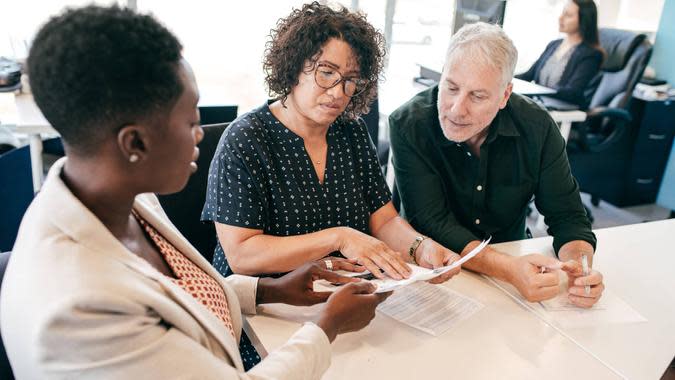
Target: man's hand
<point>432,255</point>
<point>577,282</point>
<point>524,272</point>
<point>297,287</point>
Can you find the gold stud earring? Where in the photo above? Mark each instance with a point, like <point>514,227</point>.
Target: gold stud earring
<point>133,158</point>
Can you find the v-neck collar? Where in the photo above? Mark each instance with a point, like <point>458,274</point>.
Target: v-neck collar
<point>298,141</point>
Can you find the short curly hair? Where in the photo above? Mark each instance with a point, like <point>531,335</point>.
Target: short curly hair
<point>95,69</point>
<point>299,38</point>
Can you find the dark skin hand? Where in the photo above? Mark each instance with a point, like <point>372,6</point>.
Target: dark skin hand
<point>296,287</point>
<point>350,308</point>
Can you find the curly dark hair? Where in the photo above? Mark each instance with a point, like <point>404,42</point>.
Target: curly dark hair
<point>95,69</point>
<point>299,37</point>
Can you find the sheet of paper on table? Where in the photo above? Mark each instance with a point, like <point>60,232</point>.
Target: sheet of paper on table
<point>609,309</point>
<point>433,309</point>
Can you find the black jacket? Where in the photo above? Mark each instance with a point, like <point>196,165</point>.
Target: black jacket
<point>574,86</point>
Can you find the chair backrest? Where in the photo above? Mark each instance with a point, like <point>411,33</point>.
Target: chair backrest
<point>16,193</point>
<point>372,120</point>
<point>185,207</point>
<point>217,114</point>
<point>53,146</point>
<point>627,55</point>
<point>5,368</point>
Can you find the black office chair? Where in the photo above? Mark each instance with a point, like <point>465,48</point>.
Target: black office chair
<point>16,193</point>
<point>608,116</point>
<point>53,146</point>
<point>5,368</point>
<point>372,120</point>
<point>217,114</point>
<point>598,147</point>
<point>185,207</point>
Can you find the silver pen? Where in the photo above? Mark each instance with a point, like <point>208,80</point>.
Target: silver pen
<point>584,267</point>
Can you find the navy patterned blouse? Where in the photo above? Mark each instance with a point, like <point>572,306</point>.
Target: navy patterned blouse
<point>261,177</point>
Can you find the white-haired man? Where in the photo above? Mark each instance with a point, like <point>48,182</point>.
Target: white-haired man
<point>469,155</point>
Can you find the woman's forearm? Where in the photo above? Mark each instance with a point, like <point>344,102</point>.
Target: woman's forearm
<point>387,226</point>
<point>260,253</point>
<point>398,235</point>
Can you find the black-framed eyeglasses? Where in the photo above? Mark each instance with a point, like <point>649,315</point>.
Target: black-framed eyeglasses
<point>328,77</point>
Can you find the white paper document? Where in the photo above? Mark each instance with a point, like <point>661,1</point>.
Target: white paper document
<point>430,308</point>
<point>609,309</point>
<point>562,303</point>
<point>419,273</point>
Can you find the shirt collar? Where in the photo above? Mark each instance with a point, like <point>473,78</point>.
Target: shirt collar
<point>502,125</point>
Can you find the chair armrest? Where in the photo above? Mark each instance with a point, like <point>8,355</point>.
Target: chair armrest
<point>613,113</point>
<point>613,124</point>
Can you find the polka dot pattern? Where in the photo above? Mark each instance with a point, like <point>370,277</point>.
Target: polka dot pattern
<point>261,177</point>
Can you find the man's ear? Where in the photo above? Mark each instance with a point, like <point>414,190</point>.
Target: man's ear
<point>133,142</point>
<point>507,95</point>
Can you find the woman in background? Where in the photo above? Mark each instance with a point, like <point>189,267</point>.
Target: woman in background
<point>569,64</point>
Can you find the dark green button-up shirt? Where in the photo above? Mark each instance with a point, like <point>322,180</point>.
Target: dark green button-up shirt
<point>455,197</point>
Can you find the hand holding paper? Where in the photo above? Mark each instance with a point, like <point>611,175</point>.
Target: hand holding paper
<point>420,274</point>
<point>424,274</point>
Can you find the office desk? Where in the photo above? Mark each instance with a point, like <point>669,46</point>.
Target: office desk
<point>432,71</point>
<point>506,340</point>
<point>27,119</point>
<point>530,88</point>
<point>564,119</point>
<point>638,265</point>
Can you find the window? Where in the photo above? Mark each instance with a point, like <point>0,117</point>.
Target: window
<point>19,25</point>
<point>224,43</point>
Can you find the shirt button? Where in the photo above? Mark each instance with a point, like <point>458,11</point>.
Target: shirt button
<point>479,187</point>
<point>477,221</point>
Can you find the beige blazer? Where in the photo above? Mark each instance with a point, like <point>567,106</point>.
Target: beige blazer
<point>76,303</point>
